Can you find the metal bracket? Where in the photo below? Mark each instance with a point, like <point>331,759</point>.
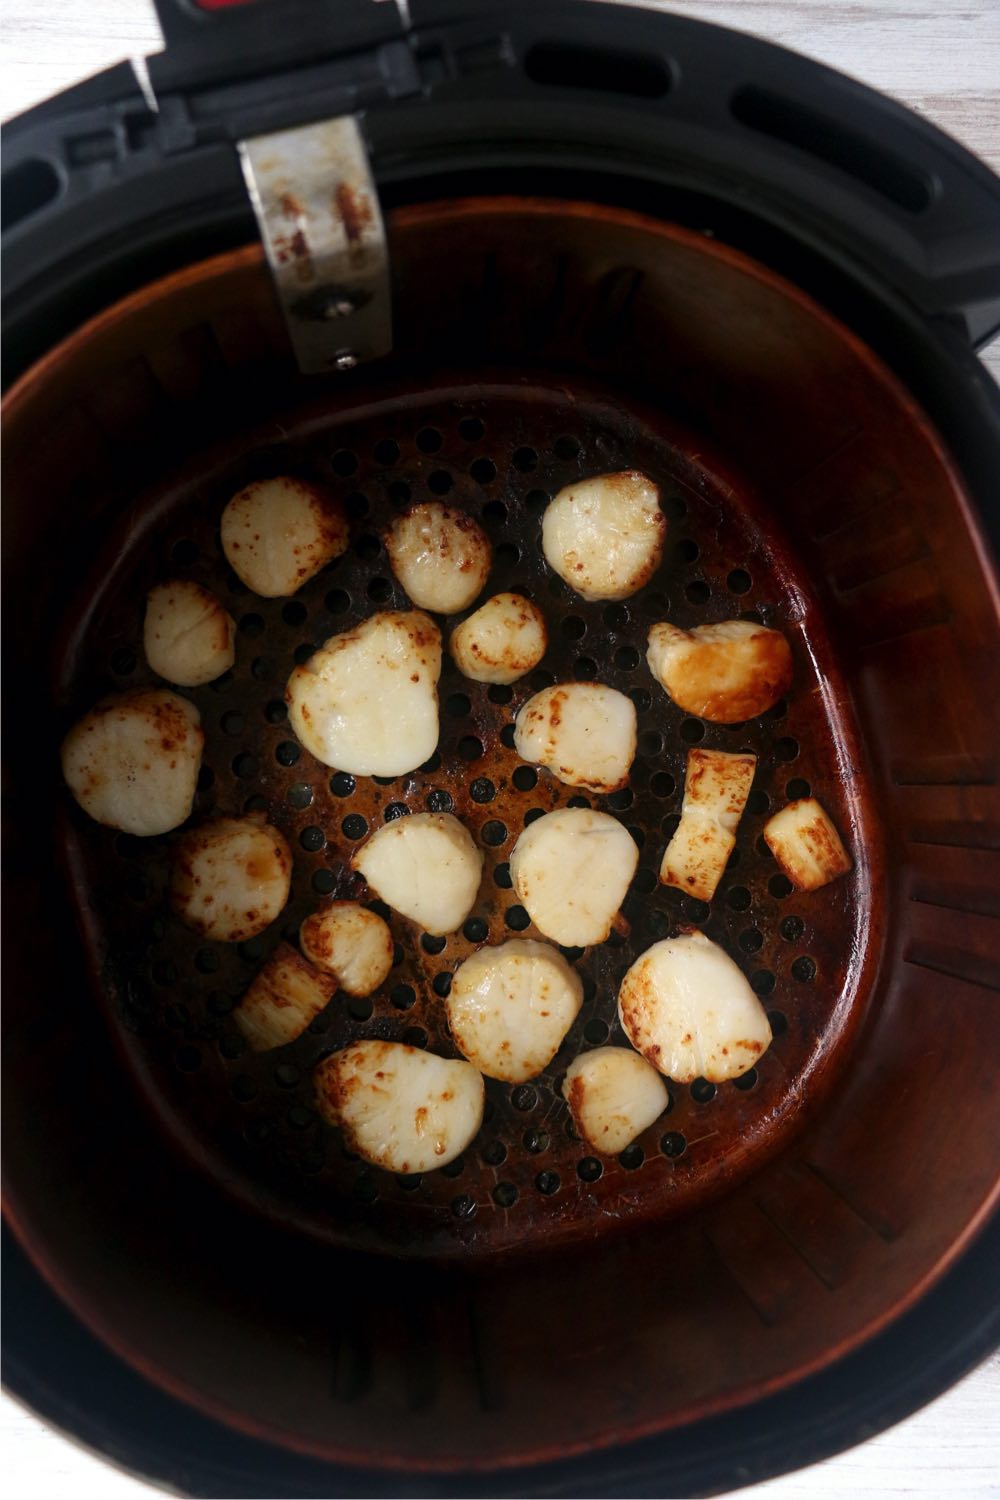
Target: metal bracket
<point>318,213</point>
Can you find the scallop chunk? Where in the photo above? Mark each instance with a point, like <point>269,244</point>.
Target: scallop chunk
<point>399,1107</point>
<point>230,878</point>
<point>349,942</point>
<point>188,636</point>
<point>366,701</point>
<point>807,846</point>
<point>726,673</point>
<point>440,556</point>
<point>282,1000</point>
<point>132,762</point>
<point>604,536</point>
<point>715,793</point>
<point>583,732</point>
<point>690,1011</point>
<point>279,533</point>
<point>613,1095</point>
<point>571,869</point>
<point>510,1007</point>
<point>427,867</point>
<point>505,638</point>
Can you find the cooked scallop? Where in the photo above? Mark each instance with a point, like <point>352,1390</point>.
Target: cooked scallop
<point>399,1107</point>
<point>583,732</point>
<point>715,793</point>
<point>427,867</point>
<point>440,556</point>
<point>726,672</point>
<point>571,870</point>
<point>188,636</point>
<point>132,762</point>
<point>366,702</point>
<point>279,533</point>
<point>509,1008</point>
<point>806,844</point>
<point>349,942</point>
<point>505,638</point>
<point>613,1095</point>
<point>230,878</point>
<point>604,536</point>
<point>690,1011</point>
<point>283,999</point>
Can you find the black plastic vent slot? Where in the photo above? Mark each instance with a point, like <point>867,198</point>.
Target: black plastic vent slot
<point>840,147</point>
<point>26,188</point>
<point>570,66</point>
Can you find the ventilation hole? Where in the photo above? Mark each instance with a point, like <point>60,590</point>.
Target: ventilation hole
<point>507,554</point>
<point>469,748</point>
<point>738,898</point>
<point>687,550</point>
<point>383,780</point>
<point>368,548</point>
<point>536,501</point>
<point>620,800</point>
<point>797,788</point>
<point>778,1022</point>
<point>646,882</point>
<point>323,882</point>
<point>758,803</point>
<point>573,628</point>
<point>457,706</point>
<point>751,941</point>
<point>399,492</point>
<point>256,804</point>
<point>547,1183</point>
<point>379,590</point>
<point>616,616</point>
<point>294,613</point>
<point>337,602</point>
<point>395,810</point>
<point>525,778</point>
<point>206,961</point>
<point>596,1032</point>
<point>524,1097</point>
<point>246,766</point>
<point>746,1081</point>
<point>252,626</point>
<point>232,1047</point>
<point>578,802</point>
<point>657,924</point>
<point>804,969</point>
<point>776,711</point>
<point>471,429</point>
<point>698,592</point>
<point>641,699</point>
<point>439,481</point>
<point>454,1168</point>
<point>287,753</point>
<point>516,918</point>
<point>483,471</point>
<point>632,1157</point>
<point>495,513</point>
<point>780,886</point>
<point>787,748</point>
<point>429,440</point>
<point>482,789</point>
<point>673,1144</point>
<point>589,1169</point>
<point>344,462</point>
<point>566,447</point>
<point>244,1088</point>
<point>505,1195</point>
<point>354,826</point>
<point>386,451</point>
<point>475,930</point>
<point>702,1091</point>
<point>507,736</point>
<point>312,839</point>
<point>692,731</point>
<point>792,928</point>
<point>415,1036</point>
<point>342,784</point>
<point>498,692</point>
<point>431,764</point>
<point>439,801</point>
<point>584,669</point>
<point>739,581</point>
<point>495,1154</point>
<point>626,658</point>
<point>762,981</point>
<point>441,984</point>
<point>365,1190</point>
<point>432,943</point>
<point>662,784</point>
<point>532,816</point>
<point>359,1007</point>
<point>402,996</point>
<point>275,712</point>
<point>501,877</point>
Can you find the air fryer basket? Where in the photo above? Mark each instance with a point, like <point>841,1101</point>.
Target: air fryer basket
<point>533,1301</point>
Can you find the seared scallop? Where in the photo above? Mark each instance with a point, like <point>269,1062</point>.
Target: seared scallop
<point>188,636</point>
<point>399,1107</point>
<point>440,556</point>
<point>132,762</point>
<point>571,869</point>
<point>689,1010</point>
<point>279,533</point>
<point>604,536</point>
<point>509,1007</point>
<point>715,793</point>
<point>583,732</point>
<point>366,701</point>
<point>613,1095</point>
<point>284,998</point>
<point>427,867</point>
<point>351,943</point>
<point>726,672</point>
<point>505,638</point>
<point>803,839</point>
<point>230,878</point>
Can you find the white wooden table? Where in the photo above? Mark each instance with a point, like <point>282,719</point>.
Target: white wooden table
<point>942,57</point>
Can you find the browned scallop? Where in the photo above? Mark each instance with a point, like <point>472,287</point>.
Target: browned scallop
<point>604,536</point>
<point>505,638</point>
<point>188,637</point>
<point>613,1095</point>
<point>807,846</point>
<point>715,793</point>
<point>441,556</point>
<point>230,878</point>
<point>284,998</point>
<point>132,762</point>
<point>279,533</point>
<point>726,673</point>
<point>351,943</point>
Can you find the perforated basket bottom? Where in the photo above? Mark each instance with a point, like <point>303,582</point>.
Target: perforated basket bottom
<point>500,451</point>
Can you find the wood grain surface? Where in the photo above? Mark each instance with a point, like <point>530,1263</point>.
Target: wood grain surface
<point>942,58</point>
